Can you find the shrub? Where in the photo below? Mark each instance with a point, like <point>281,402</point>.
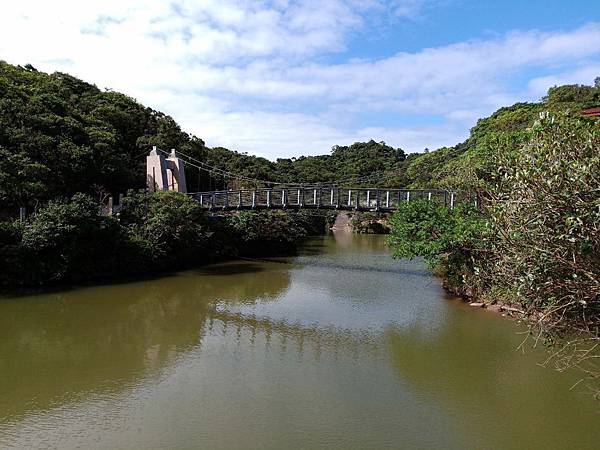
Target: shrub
<point>69,239</point>
<point>275,231</point>
<point>12,265</point>
<point>545,221</point>
<point>370,223</point>
<point>168,227</point>
<point>450,240</point>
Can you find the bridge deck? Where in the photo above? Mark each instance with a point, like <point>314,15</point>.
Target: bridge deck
<point>364,199</point>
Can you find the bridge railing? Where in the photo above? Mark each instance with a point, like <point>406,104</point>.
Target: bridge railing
<point>370,199</point>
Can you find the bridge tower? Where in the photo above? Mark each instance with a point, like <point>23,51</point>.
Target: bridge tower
<point>165,174</point>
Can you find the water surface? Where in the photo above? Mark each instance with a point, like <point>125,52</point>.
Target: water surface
<point>340,347</point>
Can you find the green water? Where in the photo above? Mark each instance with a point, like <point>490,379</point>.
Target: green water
<point>340,347</point>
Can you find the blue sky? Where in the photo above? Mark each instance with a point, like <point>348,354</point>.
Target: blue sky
<point>282,78</point>
<point>449,21</point>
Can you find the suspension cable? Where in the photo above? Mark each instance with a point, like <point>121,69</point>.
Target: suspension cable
<point>210,169</point>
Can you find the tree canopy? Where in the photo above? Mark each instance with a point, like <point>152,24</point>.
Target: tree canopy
<point>60,135</point>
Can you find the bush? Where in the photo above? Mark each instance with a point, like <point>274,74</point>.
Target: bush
<point>275,231</point>
<point>545,216</point>
<point>69,240</point>
<point>169,228</point>
<point>536,242</point>
<point>450,240</point>
<point>12,264</point>
<point>370,223</point>
<point>272,225</point>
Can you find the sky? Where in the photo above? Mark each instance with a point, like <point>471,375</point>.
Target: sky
<point>283,78</point>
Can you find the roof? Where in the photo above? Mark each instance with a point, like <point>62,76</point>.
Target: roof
<point>591,112</point>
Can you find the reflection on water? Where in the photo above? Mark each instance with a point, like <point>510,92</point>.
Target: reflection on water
<point>339,347</point>
<point>100,339</point>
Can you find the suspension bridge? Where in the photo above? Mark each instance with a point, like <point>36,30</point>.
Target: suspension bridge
<point>165,171</point>
<point>342,198</point>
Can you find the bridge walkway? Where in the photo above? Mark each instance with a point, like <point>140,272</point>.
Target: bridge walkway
<point>349,199</point>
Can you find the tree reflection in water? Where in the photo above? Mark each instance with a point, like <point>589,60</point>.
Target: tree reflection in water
<point>59,347</point>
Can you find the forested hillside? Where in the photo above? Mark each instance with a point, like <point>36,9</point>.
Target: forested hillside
<point>459,166</point>
<point>60,135</point>
<point>65,145</point>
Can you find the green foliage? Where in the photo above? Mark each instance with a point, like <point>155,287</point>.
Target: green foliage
<point>427,170</point>
<point>468,167</point>
<point>545,216</point>
<point>71,241</point>
<point>168,225</point>
<point>61,222</point>
<point>60,135</point>
<point>272,225</point>
<point>535,168</point>
<point>20,178</point>
<point>448,239</point>
<point>572,97</point>
<point>275,231</point>
<point>369,223</point>
<point>67,240</point>
<point>12,261</point>
<point>536,240</point>
<point>360,163</point>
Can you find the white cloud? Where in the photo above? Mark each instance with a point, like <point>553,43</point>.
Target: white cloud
<point>582,75</point>
<point>255,75</point>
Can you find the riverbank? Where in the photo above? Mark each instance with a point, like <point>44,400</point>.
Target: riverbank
<point>71,241</point>
<point>540,267</point>
<point>370,222</point>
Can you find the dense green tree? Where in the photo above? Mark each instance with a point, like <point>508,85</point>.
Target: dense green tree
<point>170,227</point>
<point>361,163</point>
<point>450,240</point>
<point>469,165</point>
<point>68,240</point>
<point>60,135</point>
<point>544,212</point>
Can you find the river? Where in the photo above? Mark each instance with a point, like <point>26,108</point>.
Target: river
<point>340,347</point>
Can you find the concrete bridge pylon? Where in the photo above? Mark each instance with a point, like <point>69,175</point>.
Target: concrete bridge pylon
<point>164,174</point>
